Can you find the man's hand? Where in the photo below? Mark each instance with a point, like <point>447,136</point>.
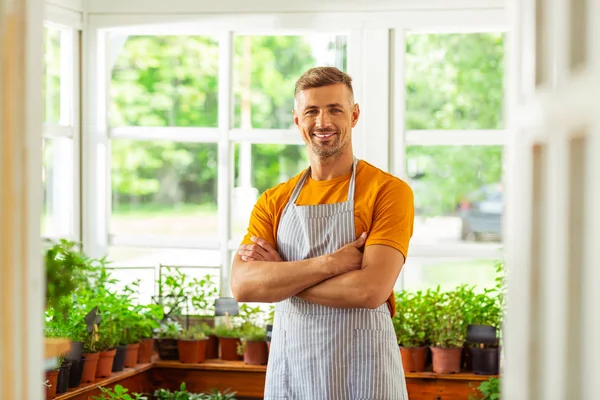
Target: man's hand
<point>349,257</point>
<point>261,250</point>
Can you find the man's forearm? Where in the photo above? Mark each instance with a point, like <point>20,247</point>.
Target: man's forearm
<point>272,281</point>
<point>344,291</point>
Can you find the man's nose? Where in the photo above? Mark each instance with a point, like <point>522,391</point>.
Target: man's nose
<point>323,120</point>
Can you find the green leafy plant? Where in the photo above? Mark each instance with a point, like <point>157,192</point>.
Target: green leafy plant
<point>490,390</point>
<point>118,393</point>
<point>66,270</point>
<point>449,329</point>
<point>184,394</point>
<point>412,319</point>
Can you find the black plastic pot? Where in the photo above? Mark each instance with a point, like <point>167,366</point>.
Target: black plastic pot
<point>62,384</point>
<point>167,349</point>
<point>119,363</point>
<point>269,332</point>
<point>482,334</point>
<point>75,351</point>
<point>75,373</point>
<point>485,361</point>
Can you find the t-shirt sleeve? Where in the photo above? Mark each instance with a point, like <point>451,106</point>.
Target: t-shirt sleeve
<point>261,221</point>
<point>393,217</point>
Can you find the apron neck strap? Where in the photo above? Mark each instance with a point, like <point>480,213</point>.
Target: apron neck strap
<point>302,181</point>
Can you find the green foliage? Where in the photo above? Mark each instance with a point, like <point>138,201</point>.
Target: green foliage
<point>179,294</point>
<point>66,270</point>
<point>118,393</point>
<point>413,318</point>
<point>193,333</point>
<point>169,329</point>
<point>490,390</point>
<point>184,394</point>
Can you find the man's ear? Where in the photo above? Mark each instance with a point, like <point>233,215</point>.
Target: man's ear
<point>295,117</point>
<point>355,114</point>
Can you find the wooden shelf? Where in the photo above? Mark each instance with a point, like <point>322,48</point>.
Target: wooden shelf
<point>248,380</point>
<point>462,376</point>
<point>55,347</point>
<point>212,365</point>
<point>116,377</point>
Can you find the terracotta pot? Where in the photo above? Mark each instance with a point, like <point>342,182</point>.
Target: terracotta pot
<point>189,351</point>
<point>202,345</point>
<point>145,351</point>
<point>89,367</point>
<point>52,378</point>
<point>256,353</point>
<point>413,358</point>
<point>446,361</point>
<point>105,363</point>
<point>228,347</point>
<point>131,355</point>
<point>212,348</point>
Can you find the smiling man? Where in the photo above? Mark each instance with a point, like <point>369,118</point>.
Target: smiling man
<point>327,247</point>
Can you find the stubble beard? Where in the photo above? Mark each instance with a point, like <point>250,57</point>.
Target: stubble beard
<point>327,152</point>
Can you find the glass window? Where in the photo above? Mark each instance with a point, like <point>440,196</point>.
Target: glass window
<point>164,188</point>
<point>259,167</point>
<point>164,81</point>
<point>421,273</point>
<point>52,77</point>
<point>145,276</point>
<point>458,193</point>
<point>454,81</point>
<point>57,187</point>
<point>266,69</point>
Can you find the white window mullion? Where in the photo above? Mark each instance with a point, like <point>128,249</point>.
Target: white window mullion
<point>266,136</point>
<point>76,120</point>
<point>225,160</point>
<point>152,241</point>
<point>96,189</point>
<point>477,137</point>
<point>355,67</point>
<point>58,131</point>
<point>175,134</point>
<point>398,105</point>
<point>376,92</point>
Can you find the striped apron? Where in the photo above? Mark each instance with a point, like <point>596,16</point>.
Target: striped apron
<point>326,353</point>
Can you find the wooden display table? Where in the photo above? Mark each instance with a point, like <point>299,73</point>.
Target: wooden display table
<point>248,381</point>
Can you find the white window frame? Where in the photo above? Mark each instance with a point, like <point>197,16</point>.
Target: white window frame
<point>69,124</point>
<point>378,31</point>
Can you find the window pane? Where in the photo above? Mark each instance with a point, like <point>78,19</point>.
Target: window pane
<point>259,167</point>
<point>266,69</point>
<point>51,76</point>
<point>164,188</point>
<point>454,81</point>
<point>58,187</point>
<point>427,273</point>
<point>458,193</point>
<point>164,81</point>
<point>146,277</point>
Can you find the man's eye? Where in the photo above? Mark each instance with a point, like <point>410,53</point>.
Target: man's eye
<point>311,111</point>
<point>336,110</point>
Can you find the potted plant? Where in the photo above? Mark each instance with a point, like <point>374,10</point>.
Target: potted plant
<point>253,345</point>
<point>151,315</point>
<point>484,321</point>
<point>52,379</point>
<point>448,333</point>
<point>413,314</point>
<point>229,340</point>
<point>168,333</point>
<point>192,346</point>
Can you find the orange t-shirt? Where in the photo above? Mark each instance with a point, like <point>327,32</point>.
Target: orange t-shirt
<point>383,207</point>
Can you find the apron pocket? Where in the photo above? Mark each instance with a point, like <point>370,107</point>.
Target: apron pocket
<point>375,370</point>
<point>276,384</point>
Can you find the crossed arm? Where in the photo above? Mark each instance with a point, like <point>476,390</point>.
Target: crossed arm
<point>368,287</point>
<point>264,277</point>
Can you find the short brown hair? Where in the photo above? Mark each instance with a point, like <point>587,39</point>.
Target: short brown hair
<point>323,76</point>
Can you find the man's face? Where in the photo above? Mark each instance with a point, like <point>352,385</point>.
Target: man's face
<point>325,117</point>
